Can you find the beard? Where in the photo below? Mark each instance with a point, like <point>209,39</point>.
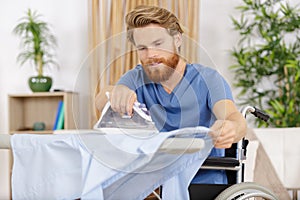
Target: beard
<point>160,73</point>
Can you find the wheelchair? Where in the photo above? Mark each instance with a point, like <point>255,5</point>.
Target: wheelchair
<point>232,163</point>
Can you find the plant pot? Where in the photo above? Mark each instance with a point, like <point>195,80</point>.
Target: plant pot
<point>40,83</point>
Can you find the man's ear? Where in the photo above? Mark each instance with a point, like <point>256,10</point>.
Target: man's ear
<point>178,40</point>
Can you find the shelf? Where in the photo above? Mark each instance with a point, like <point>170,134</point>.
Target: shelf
<point>41,94</point>
<point>32,132</point>
<point>26,109</point>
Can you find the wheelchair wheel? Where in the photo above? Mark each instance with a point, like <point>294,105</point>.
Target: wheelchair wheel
<point>246,190</point>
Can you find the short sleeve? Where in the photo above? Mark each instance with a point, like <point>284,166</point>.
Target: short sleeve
<point>218,88</point>
<point>130,79</point>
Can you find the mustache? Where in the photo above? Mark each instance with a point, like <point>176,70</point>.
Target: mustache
<point>151,61</point>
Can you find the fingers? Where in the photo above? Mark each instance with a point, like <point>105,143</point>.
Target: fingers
<point>129,106</point>
<point>223,133</point>
<point>122,100</point>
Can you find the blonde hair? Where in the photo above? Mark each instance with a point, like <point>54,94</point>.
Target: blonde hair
<point>144,15</point>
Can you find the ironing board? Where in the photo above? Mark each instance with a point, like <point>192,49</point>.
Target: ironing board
<point>179,150</point>
<point>123,157</point>
<point>173,146</point>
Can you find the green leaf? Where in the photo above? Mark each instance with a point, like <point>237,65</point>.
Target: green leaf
<point>36,39</point>
<point>267,56</point>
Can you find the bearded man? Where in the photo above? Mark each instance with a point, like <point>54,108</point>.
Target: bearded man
<point>177,93</point>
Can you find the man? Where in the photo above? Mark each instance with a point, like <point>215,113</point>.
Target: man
<point>177,93</point>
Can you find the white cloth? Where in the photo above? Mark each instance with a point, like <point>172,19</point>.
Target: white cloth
<point>46,167</point>
<point>98,166</point>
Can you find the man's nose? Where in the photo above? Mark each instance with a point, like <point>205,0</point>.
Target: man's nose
<point>152,52</point>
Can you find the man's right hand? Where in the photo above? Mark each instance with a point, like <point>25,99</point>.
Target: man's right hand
<point>122,99</point>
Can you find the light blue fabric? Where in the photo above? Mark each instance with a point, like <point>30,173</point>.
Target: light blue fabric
<point>98,166</point>
<point>45,166</point>
<point>190,104</point>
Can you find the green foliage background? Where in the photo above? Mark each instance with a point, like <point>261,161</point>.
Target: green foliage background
<point>37,41</point>
<point>267,68</point>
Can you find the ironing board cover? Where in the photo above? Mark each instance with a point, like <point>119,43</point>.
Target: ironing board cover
<point>111,163</point>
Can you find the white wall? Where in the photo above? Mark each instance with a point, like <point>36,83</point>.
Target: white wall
<point>217,36</point>
<point>69,23</point>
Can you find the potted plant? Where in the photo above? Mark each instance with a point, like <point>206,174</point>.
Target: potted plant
<point>267,59</point>
<point>38,45</point>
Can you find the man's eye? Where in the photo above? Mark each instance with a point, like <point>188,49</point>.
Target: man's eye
<point>158,44</point>
<point>141,48</point>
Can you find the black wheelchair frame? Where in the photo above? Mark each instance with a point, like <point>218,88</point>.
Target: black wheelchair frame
<point>233,164</point>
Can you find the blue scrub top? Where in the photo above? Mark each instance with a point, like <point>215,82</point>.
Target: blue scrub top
<point>189,104</point>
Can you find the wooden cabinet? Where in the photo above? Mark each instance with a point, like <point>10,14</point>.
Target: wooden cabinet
<point>26,109</point>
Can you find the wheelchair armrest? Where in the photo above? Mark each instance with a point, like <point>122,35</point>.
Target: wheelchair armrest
<point>221,162</point>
